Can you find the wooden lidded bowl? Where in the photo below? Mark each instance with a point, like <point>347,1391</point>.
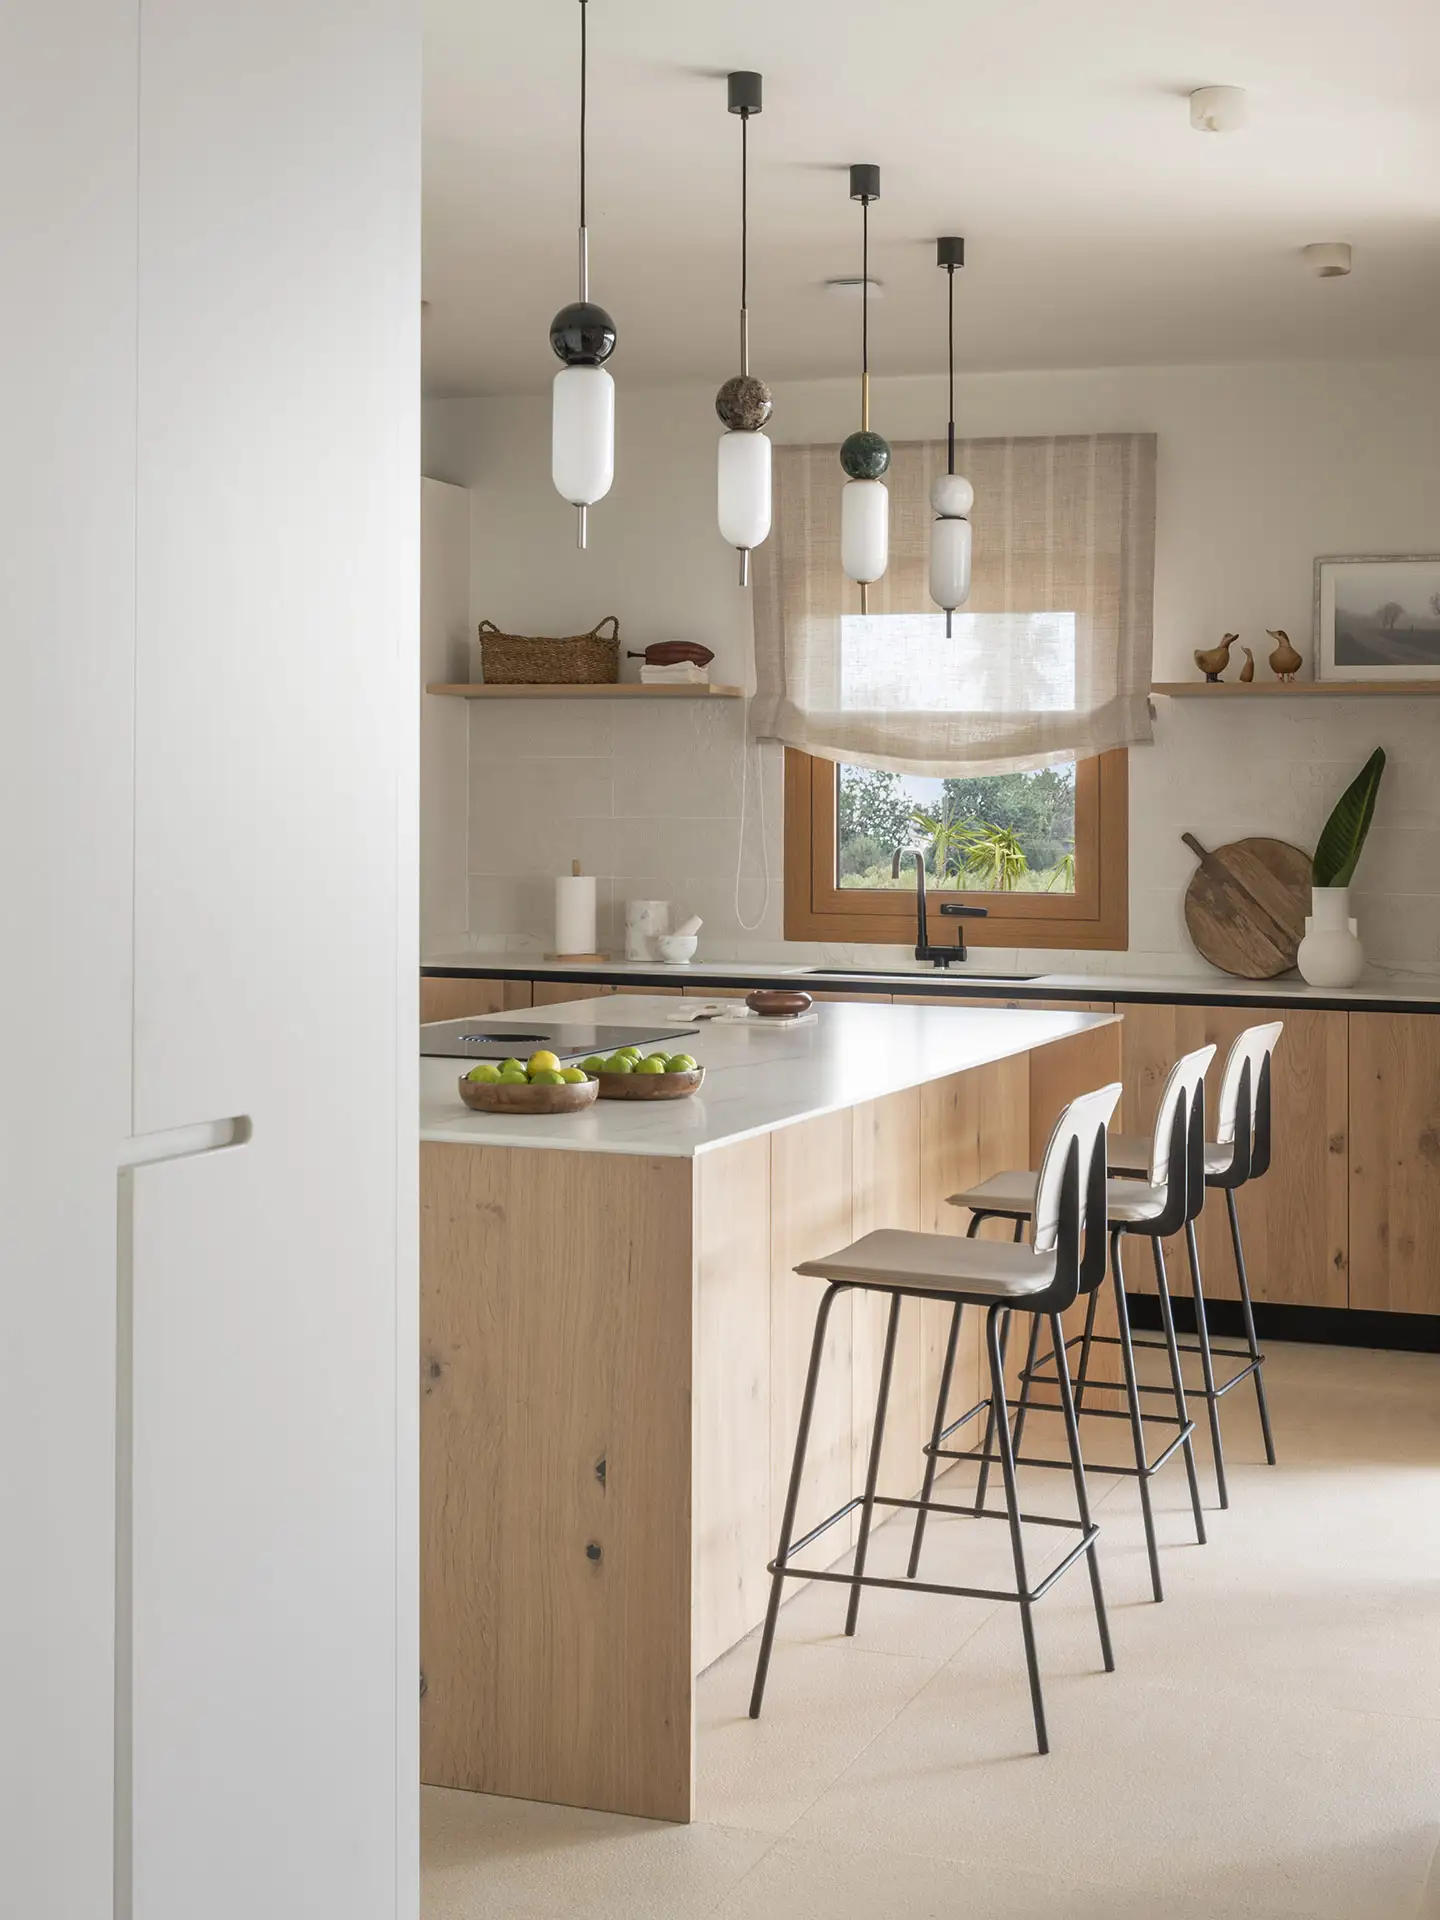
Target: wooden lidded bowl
<point>486,1097</point>
<point>779,1003</point>
<point>649,1086</point>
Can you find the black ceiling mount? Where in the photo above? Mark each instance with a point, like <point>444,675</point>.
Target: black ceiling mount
<point>950,251</point>
<point>746,93</point>
<point>864,183</point>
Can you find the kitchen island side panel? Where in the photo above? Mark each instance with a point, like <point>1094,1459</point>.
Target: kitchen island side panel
<point>556,1466</point>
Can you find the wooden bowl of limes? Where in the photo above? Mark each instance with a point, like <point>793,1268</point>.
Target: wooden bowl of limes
<point>540,1085</point>
<point>655,1076</point>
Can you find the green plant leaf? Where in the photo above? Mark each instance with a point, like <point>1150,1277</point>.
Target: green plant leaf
<point>1338,849</point>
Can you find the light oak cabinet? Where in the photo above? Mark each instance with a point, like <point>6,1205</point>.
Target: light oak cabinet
<point>1395,1162</point>
<point>1295,1219</point>
<point>465,999</point>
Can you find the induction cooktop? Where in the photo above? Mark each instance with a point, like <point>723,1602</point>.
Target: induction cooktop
<point>469,1040</point>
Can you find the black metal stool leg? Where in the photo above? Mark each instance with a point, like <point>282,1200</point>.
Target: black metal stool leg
<point>1207,1363</point>
<point>1024,1404</point>
<point>1082,1499</point>
<point>982,1484</point>
<point>877,1440</point>
<point>1137,1422</point>
<point>1085,1342</point>
<point>1177,1382</point>
<point>947,1371</point>
<point>792,1498</point>
<point>1256,1357</point>
<point>1017,1544</point>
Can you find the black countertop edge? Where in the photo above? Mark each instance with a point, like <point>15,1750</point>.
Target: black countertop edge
<point>953,987</point>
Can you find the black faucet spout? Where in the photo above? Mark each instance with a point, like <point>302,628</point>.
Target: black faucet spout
<point>922,935</point>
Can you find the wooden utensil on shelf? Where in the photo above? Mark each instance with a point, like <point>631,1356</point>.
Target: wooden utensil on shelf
<point>674,653</point>
<point>1246,903</point>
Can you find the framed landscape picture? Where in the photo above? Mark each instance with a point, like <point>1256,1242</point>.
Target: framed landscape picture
<point>1377,617</point>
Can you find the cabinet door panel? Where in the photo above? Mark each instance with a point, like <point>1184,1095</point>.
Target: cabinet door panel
<point>442,999</point>
<point>1395,1162</point>
<point>1295,1220</point>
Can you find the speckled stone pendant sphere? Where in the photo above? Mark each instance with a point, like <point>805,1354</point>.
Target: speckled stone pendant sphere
<point>744,403</point>
<point>865,455</point>
<point>582,334</point>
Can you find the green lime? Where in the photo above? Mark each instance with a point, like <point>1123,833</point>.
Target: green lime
<point>573,1076</point>
<point>512,1065</point>
<point>547,1077</point>
<point>485,1073</point>
<point>619,1063</point>
<point>514,1080</point>
<point>681,1063</point>
<point>595,1064</point>
<point>655,1064</point>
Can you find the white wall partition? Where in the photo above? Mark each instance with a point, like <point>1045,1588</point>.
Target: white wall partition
<point>209,784</point>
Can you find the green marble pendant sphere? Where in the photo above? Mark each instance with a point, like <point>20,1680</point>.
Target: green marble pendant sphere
<point>865,456</point>
<point>744,403</point>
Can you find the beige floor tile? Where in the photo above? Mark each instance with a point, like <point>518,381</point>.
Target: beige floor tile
<point>1298,1808</point>
<point>823,1706</point>
<point>798,1882</point>
<point>492,1859</point>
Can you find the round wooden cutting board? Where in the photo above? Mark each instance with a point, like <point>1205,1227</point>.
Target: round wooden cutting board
<point>1246,904</point>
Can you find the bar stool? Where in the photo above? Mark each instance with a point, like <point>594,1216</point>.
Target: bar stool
<point>1151,1208</point>
<point>1239,1152</point>
<point>1066,1256</point>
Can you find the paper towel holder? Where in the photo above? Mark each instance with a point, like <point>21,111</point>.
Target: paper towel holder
<point>572,959</point>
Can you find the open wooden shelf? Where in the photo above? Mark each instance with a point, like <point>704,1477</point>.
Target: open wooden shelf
<point>616,690</point>
<point>1297,689</point>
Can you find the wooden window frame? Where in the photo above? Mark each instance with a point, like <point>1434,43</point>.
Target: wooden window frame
<point>1095,916</point>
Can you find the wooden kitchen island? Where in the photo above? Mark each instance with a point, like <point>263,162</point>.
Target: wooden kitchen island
<point>613,1348</point>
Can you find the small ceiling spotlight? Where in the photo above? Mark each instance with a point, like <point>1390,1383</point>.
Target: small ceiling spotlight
<point>1217,109</point>
<point>1328,259</point>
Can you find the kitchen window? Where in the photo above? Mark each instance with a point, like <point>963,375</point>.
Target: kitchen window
<point>1044,852</point>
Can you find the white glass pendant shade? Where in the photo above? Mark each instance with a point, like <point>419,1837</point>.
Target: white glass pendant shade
<point>864,529</point>
<point>582,439</point>
<point>744,488</point>
<point>950,563</point>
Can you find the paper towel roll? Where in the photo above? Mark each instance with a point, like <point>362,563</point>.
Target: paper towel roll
<point>575,913</point>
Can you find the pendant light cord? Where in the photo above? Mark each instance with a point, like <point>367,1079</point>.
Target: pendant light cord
<point>584,101</point>
<point>865,296</point>
<point>950,276</point>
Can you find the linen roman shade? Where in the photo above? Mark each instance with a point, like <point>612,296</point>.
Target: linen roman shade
<point>1050,659</point>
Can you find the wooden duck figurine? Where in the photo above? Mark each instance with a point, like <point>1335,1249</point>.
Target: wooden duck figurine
<point>1285,662</point>
<point>1212,661</point>
<point>1247,672</point>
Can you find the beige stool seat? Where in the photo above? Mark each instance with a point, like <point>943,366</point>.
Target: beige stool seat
<point>1130,1153</point>
<point>1127,1201</point>
<point>979,1270</point>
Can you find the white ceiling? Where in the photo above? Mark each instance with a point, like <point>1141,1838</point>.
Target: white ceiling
<point>1055,137</point>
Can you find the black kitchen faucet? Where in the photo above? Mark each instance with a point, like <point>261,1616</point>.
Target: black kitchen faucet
<point>950,909</point>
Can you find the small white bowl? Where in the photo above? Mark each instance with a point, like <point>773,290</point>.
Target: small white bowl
<point>676,949</point>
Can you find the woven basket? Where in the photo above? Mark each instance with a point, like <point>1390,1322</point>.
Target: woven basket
<point>580,659</point>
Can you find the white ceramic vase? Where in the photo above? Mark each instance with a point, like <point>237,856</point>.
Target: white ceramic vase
<point>1330,954</point>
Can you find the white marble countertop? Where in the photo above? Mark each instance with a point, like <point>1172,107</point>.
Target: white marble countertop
<point>1375,988</point>
<point>756,1078</point>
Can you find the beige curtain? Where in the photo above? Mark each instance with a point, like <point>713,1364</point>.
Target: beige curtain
<point>1050,658</point>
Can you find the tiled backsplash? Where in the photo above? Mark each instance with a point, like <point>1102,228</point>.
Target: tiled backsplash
<point>648,799</point>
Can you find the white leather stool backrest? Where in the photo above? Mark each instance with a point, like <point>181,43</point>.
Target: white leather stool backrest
<point>1186,1075</point>
<point>1084,1122</point>
<point>1254,1045</point>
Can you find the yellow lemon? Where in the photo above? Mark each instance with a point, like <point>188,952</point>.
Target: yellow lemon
<point>543,1062</point>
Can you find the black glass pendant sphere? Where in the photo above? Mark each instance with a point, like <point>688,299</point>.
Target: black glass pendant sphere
<point>744,403</point>
<point>865,456</point>
<point>582,334</point>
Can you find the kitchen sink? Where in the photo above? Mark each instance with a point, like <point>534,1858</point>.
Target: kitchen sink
<point>919,972</point>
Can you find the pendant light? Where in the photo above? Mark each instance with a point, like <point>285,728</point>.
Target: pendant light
<point>865,501</point>
<point>952,495</point>
<point>744,402</point>
<point>582,437</point>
